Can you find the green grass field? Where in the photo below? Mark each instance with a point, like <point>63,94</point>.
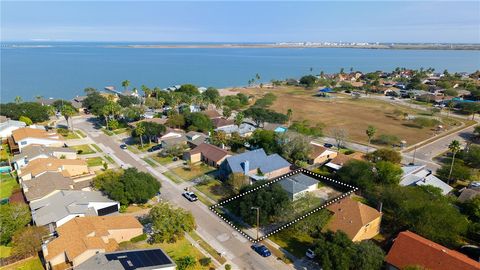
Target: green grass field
<point>7,185</point>
<point>71,136</point>
<point>84,148</point>
<point>193,172</point>
<point>295,243</point>
<point>150,162</point>
<point>173,177</point>
<point>109,159</point>
<point>214,190</point>
<point>162,160</point>
<point>95,161</point>
<point>5,251</point>
<point>97,148</point>
<point>4,152</point>
<point>30,264</point>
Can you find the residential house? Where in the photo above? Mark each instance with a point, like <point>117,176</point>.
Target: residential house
<point>173,138</point>
<point>144,259</point>
<point>410,249</point>
<point>222,122</point>
<point>49,183</point>
<point>32,152</point>
<point>195,138</point>
<point>63,205</point>
<point>156,120</point>
<point>357,220</point>
<point>77,102</point>
<point>469,193</point>
<point>341,159</point>
<point>23,137</point>
<point>212,114</point>
<point>298,185</point>
<point>244,130</point>
<point>67,167</point>
<point>82,237</point>
<point>46,101</point>
<point>255,164</point>
<point>7,126</point>
<point>207,153</point>
<point>418,175</point>
<point>320,154</point>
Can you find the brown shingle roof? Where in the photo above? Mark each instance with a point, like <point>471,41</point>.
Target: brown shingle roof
<point>221,122</point>
<point>210,152</point>
<point>23,133</point>
<point>350,216</point>
<point>317,150</point>
<point>40,165</point>
<point>341,159</point>
<point>412,249</point>
<point>83,233</point>
<point>45,184</point>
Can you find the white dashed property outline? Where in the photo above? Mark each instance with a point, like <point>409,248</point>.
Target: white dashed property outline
<point>289,223</point>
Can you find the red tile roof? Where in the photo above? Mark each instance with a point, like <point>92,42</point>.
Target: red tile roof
<point>411,249</point>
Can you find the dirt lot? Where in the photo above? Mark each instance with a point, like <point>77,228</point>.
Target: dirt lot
<point>342,111</point>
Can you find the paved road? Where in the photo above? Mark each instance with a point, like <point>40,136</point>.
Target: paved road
<point>426,153</point>
<point>218,234</point>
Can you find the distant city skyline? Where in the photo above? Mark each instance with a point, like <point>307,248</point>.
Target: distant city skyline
<point>230,22</point>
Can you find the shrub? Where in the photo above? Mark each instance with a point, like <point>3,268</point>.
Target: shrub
<point>26,120</point>
<point>228,267</point>
<point>141,237</point>
<point>62,131</point>
<point>205,261</point>
<point>349,152</point>
<point>113,124</point>
<point>387,139</point>
<point>425,122</point>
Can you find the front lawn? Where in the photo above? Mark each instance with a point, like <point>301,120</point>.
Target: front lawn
<point>97,148</point>
<point>162,160</point>
<point>213,189</point>
<point>83,149</point>
<point>7,185</point>
<point>295,243</point>
<point>150,162</point>
<point>94,161</point>
<point>193,171</point>
<point>109,159</point>
<point>173,177</point>
<point>4,152</point>
<point>70,136</point>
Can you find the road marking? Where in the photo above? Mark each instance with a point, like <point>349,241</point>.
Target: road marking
<point>223,237</point>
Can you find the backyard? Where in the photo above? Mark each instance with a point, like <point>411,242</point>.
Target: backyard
<point>342,111</point>
<point>29,264</point>
<point>7,185</point>
<point>83,149</point>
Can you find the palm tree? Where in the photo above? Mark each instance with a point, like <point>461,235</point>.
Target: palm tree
<point>257,76</point>
<point>239,119</point>
<point>126,84</point>
<point>146,91</point>
<point>38,97</point>
<point>18,99</point>
<point>289,115</point>
<point>68,111</point>
<point>454,148</point>
<point>140,131</point>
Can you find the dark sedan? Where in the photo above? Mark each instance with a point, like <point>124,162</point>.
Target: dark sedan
<point>262,250</point>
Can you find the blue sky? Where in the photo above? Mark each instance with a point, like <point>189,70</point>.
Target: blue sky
<point>382,21</point>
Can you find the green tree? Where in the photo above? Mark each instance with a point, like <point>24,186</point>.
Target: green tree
<point>265,139</point>
<point>472,156</point>
<point>18,100</point>
<point>471,208</point>
<point>454,147</point>
<point>126,84</point>
<point>476,131</point>
<point>94,102</point>
<point>189,89</point>
<point>455,172</point>
<point>140,131</point>
<point>371,130</point>
<point>186,262</point>
<point>219,138</point>
<point>388,173</point>
<point>26,120</point>
<point>239,118</point>
<point>385,154</point>
<point>176,120</point>
<point>28,240</point>
<point>68,111</point>
<point>127,101</point>
<point>289,115</point>
<point>227,112</point>
<point>129,186</point>
<point>359,173</point>
<point>200,121</point>
<point>308,81</point>
<point>36,112</point>
<point>212,95</point>
<point>170,224</point>
<point>295,147</point>
<point>367,256</point>
<point>13,216</point>
<point>236,181</point>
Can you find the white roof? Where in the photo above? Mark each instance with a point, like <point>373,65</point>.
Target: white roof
<point>419,176</point>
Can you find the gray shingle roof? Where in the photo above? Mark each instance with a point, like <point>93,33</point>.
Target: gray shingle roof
<point>64,203</point>
<point>257,159</point>
<point>32,151</point>
<point>297,183</point>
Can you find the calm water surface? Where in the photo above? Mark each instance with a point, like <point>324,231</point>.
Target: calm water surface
<point>64,70</point>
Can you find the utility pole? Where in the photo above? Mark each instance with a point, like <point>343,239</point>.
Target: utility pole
<point>414,152</point>
<point>258,218</point>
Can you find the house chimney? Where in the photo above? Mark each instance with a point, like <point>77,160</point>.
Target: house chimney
<point>380,206</point>
<point>246,167</point>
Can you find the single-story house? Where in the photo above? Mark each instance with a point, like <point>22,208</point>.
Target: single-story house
<point>341,159</point>
<point>359,221</point>
<point>63,205</point>
<point>212,114</point>
<point>410,249</point>
<point>244,130</point>
<point>195,138</point>
<point>222,122</point>
<point>82,237</point>
<point>207,153</point>
<point>320,154</point>
<point>77,102</point>
<point>46,101</point>
<point>156,120</point>
<point>472,191</point>
<point>67,167</point>
<point>23,137</point>
<point>146,259</point>
<point>255,164</point>
<point>174,141</point>
<point>7,126</point>
<point>298,185</point>
<point>418,175</point>
<point>49,183</point>
<point>32,152</point>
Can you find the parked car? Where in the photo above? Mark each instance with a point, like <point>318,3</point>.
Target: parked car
<point>328,145</point>
<point>123,146</point>
<point>175,159</point>
<point>310,254</point>
<point>190,196</point>
<point>155,148</point>
<point>262,250</point>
